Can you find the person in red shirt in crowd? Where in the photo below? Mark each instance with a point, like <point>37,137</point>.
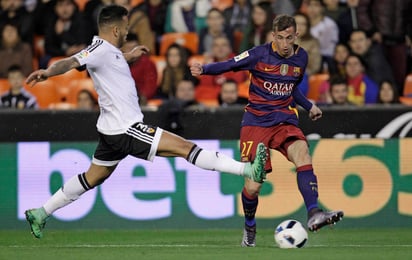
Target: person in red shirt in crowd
<point>221,51</point>
<point>143,72</point>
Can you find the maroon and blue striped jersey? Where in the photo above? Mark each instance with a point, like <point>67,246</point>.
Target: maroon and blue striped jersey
<point>273,90</point>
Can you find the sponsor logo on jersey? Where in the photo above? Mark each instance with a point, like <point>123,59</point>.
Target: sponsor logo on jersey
<point>279,88</point>
<point>269,69</point>
<point>241,56</point>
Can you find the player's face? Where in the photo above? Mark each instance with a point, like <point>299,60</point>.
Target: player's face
<point>284,41</point>
<point>122,30</point>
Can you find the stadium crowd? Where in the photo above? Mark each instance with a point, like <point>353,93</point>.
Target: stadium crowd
<point>359,50</point>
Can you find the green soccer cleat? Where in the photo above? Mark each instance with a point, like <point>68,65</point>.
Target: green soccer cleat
<point>256,170</point>
<point>37,220</point>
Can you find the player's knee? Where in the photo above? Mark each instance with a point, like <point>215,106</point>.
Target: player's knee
<point>252,189</point>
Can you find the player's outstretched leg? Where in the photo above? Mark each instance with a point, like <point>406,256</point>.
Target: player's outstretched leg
<point>37,220</point>
<point>256,170</point>
<point>319,218</point>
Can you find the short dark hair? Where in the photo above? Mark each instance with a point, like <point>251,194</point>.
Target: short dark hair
<point>111,14</point>
<point>14,68</point>
<point>282,22</point>
<point>336,80</point>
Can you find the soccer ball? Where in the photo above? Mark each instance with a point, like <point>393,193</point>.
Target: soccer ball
<point>291,234</point>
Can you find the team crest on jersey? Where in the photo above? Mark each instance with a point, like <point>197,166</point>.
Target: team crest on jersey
<point>83,54</point>
<point>284,68</point>
<point>296,71</point>
<point>241,56</point>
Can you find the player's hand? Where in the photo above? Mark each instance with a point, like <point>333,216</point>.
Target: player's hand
<point>196,69</point>
<point>37,76</point>
<point>315,113</point>
<point>135,53</point>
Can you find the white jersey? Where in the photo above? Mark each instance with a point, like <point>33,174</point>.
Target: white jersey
<point>118,100</point>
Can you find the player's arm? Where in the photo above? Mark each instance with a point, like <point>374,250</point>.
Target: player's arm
<point>244,61</point>
<point>57,68</point>
<point>300,99</point>
<point>135,53</point>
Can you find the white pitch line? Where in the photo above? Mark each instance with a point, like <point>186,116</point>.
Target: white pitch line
<point>190,246</point>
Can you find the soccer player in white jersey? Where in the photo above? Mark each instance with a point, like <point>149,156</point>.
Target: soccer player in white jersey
<point>120,124</point>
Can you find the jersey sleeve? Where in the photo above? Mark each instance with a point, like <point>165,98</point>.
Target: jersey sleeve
<point>300,99</point>
<point>244,61</point>
<point>91,56</point>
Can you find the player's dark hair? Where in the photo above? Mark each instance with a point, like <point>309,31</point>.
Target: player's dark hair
<point>14,68</point>
<point>282,22</point>
<point>111,14</point>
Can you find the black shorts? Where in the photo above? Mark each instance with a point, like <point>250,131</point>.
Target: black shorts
<point>140,141</point>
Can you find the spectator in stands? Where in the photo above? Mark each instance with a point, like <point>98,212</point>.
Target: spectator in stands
<point>390,21</point>
<point>350,19</point>
<point>14,12</point>
<point>171,109</point>
<point>333,9</point>
<point>67,33</point>
<point>324,29</point>
<point>339,91</point>
<point>378,67</point>
<point>259,27</point>
<point>17,97</point>
<point>143,72</point>
<point>388,93</point>
<point>91,11</point>
<point>221,51</point>
<point>339,57</point>
<point>283,7</point>
<point>187,15</point>
<point>238,15</point>
<point>362,89</point>
<point>176,70</point>
<point>309,43</point>
<point>156,11</point>
<point>229,95</point>
<point>14,51</point>
<point>139,25</point>
<point>215,27</point>
<point>86,101</point>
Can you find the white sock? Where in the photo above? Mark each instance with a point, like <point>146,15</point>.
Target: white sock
<point>70,192</point>
<point>215,161</point>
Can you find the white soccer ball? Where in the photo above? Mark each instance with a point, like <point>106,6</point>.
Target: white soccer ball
<point>291,234</point>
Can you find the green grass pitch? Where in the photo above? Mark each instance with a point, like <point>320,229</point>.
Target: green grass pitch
<point>202,244</point>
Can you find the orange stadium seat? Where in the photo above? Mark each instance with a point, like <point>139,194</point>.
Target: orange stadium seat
<point>4,86</point>
<point>134,3</point>
<point>315,81</point>
<point>77,85</point>
<point>160,62</point>
<point>221,4</point>
<point>243,89</point>
<point>190,40</point>
<point>45,92</point>
<point>81,4</point>
<point>207,95</point>
<point>407,87</point>
<point>63,82</point>
<point>406,100</point>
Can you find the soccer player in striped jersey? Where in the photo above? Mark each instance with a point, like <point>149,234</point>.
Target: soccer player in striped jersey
<point>120,124</point>
<point>271,117</point>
